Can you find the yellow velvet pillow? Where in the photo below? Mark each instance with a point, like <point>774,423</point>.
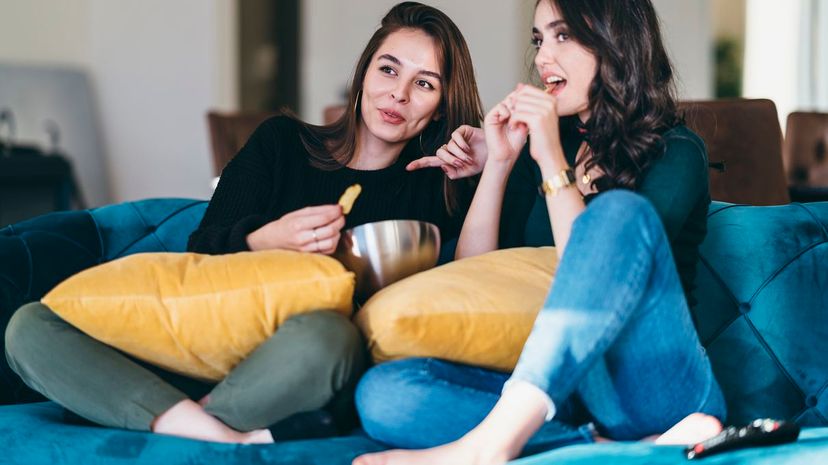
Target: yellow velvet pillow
<point>199,315</point>
<point>477,310</point>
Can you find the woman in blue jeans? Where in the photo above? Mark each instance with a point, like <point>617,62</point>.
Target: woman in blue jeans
<point>614,345</point>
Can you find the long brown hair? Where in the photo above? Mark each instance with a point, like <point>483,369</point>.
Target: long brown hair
<point>331,147</point>
<point>632,99</point>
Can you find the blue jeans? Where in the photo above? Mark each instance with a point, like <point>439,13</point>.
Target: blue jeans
<point>615,336</point>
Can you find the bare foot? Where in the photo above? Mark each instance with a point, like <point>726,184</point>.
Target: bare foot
<point>692,429</point>
<point>188,419</point>
<point>455,453</point>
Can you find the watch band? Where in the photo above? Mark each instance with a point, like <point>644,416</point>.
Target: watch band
<point>562,180</point>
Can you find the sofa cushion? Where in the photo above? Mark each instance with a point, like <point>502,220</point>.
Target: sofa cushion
<point>478,311</point>
<point>763,309</point>
<point>199,315</point>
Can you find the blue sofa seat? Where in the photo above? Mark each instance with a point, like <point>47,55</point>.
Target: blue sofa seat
<point>762,316</point>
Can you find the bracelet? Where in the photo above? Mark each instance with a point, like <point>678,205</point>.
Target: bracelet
<point>558,182</point>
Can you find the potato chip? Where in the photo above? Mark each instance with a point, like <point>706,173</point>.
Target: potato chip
<point>349,197</point>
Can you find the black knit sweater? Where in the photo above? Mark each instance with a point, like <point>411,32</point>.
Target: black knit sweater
<point>272,176</point>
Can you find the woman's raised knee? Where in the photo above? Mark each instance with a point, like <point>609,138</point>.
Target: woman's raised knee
<point>26,331</point>
<point>332,333</point>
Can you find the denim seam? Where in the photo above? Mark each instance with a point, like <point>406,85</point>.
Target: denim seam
<point>710,381</point>
<point>427,373</point>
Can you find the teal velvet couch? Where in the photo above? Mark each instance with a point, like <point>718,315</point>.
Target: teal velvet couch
<point>762,287</point>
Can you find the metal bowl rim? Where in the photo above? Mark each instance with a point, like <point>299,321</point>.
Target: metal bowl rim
<point>374,223</point>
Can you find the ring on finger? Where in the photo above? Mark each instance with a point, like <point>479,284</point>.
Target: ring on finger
<point>315,237</point>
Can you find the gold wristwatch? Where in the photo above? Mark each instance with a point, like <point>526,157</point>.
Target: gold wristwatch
<point>562,180</point>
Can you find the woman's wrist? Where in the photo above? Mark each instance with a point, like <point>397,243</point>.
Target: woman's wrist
<point>499,168</point>
<point>552,167</point>
<point>553,163</point>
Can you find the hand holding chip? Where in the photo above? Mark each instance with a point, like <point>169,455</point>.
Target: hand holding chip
<point>311,229</point>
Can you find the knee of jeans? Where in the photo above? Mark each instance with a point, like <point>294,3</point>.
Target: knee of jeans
<point>384,398</point>
<point>626,208</point>
<point>24,332</point>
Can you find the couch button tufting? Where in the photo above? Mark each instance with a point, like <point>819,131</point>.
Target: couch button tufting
<point>744,307</point>
<point>811,401</point>
<point>151,229</point>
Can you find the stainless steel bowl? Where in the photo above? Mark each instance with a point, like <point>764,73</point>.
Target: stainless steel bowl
<point>384,252</point>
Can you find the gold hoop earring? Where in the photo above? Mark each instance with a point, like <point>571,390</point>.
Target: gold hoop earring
<point>356,102</point>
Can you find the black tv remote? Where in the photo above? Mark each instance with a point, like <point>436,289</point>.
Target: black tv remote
<point>762,432</point>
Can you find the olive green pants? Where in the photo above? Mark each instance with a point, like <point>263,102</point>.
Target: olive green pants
<point>311,360</point>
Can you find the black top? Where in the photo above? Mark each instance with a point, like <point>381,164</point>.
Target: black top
<point>272,176</point>
<point>676,184</point>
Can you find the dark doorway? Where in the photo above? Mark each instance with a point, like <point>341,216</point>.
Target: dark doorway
<point>269,55</point>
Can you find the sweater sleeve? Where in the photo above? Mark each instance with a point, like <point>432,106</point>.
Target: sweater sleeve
<point>677,181</point>
<point>239,204</point>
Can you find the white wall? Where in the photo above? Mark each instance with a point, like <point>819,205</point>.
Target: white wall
<point>771,58</point>
<point>44,31</point>
<point>688,33</point>
<point>159,67</point>
<point>156,67</point>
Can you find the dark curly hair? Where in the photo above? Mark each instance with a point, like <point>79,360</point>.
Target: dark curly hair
<point>632,99</point>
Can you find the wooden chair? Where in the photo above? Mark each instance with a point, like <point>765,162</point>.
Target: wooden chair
<point>229,132</point>
<point>806,155</point>
<point>744,144</point>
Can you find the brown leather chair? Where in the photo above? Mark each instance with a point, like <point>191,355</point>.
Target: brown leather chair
<point>744,145</point>
<point>806,155</point>
<point>333,113</point>
<point>229,132</point>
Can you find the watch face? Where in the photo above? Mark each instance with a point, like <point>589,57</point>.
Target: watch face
<point>563,179</point>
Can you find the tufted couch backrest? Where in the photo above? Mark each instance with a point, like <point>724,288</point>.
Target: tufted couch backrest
<point>762,287</point>
<point>37,254</point>
<point>763,309</point>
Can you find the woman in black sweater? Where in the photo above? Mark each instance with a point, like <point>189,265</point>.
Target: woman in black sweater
<point>414,84</point>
